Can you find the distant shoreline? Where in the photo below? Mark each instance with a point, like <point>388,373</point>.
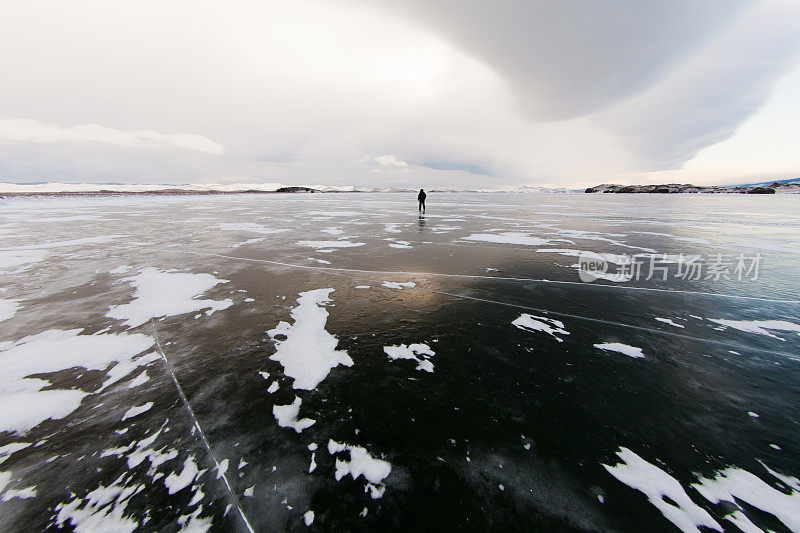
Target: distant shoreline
<point>676,188</point>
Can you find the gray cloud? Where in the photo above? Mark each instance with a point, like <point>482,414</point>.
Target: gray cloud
<point>708,98</point>
<point>567,58</point>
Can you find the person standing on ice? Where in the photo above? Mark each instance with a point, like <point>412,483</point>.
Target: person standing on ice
<point>421,197</point>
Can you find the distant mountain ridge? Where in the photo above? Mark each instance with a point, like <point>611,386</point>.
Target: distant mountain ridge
<point>790,181</point>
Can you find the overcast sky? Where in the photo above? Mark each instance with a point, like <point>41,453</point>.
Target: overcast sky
<point>418,93</point>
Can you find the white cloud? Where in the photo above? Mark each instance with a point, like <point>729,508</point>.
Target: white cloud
<point>19,130</point>
<point>389,160</point>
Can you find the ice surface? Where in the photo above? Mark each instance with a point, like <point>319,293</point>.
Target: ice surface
<point>540,323</point>
<point>658,485</point>
<point>630,351</point>
<point>309,352</point>
<point>421,353</point>
<point>465,303</point>
<point>286,415</point>
<point>759,326</point>
<point>99,239</point>
<point>161,293</point>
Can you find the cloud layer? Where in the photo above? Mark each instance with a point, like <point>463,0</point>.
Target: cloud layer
<point>446,93</point>
<point>31,131</point>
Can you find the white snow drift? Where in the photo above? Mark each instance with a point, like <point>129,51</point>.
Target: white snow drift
<point>308,354</point>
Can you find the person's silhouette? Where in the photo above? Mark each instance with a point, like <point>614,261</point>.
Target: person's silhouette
<point>421,197</point>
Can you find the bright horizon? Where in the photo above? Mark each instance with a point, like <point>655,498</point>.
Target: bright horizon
<point>459,95</point>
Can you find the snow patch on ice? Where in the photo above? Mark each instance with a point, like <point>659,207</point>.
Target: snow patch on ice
<point>136,411</point>
<point>7,450</point>
<point>174,482</point>
<point>398,285</point>
<point>141,379</point>
<point>161,293</point>
<point>322,261</point>
<point>418,352</point>
<point>247,242</point>
<point>670,322</point>
<point>508,237</point>
<point>20,494</point>
<point>625,349</point>
<point>14,258</point>
<point>101,510</point>
<point>729,487</point>
<point>361,463</point>
<point>52,351</point>
<point>286,415</point>
<point>550,326</point>
<point>222,468</point>
<point>309,352</point>
<point>8,308</point>
<point>657,485</point>
<point>329,244</point>
<point>760,326</point>
<point>251,227</point>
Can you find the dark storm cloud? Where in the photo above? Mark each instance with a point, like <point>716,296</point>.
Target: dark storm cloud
<point>706,100</point>
<point>666,78</point>
<point>572,57</point>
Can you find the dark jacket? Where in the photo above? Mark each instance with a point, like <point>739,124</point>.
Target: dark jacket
<point>421,196</point>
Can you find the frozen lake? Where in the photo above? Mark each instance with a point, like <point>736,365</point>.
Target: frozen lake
<point>351,365</point>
